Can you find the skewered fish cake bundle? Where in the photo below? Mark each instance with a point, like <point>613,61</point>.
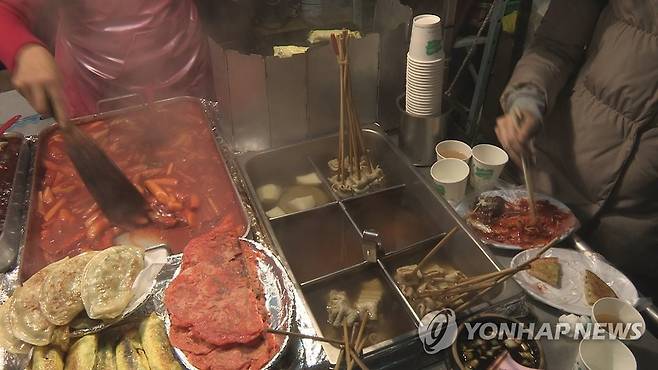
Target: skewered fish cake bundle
<point>417,285</point>
<point>354,170</point>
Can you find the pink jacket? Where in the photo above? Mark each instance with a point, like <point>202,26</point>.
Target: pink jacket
<point>110,48</point>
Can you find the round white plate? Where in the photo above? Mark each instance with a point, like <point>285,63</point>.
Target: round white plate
<point>511,195</point>
<point>571,295</point>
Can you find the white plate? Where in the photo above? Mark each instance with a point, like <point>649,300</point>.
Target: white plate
<point>571,295</point>
<point>511,195</point>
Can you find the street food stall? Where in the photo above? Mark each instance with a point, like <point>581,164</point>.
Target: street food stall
<point>294,229</point>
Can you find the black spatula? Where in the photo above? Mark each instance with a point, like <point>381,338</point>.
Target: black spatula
<point>117,197</point>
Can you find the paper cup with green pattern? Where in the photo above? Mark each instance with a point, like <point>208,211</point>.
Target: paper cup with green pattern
<point>450,176</point>
<point>426,43</point>
<point>487,163</point>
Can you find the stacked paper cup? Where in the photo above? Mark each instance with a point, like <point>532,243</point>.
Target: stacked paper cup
<point>425,67</point>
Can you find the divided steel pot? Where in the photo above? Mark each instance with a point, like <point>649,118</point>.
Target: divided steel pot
<point>352,239</point>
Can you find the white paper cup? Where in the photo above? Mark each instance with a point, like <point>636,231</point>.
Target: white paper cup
<point>426,43</point>
<point>604,355</point>
<point>450,177</point>
<point>419,63</point>
<point>453,149</point>
<point>431,111</point>
<point>432,77</point>
<point>413,70</point>
<point>616,311</point>
<point>424,94</point>
<point>487,164</point>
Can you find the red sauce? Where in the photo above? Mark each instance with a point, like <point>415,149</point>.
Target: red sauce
<point>9,150</point>
<point>514,225</point>
<point>169,153</point>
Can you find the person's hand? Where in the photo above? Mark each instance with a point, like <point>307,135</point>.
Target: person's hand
<point>516,137</point>
<point>37,78</point>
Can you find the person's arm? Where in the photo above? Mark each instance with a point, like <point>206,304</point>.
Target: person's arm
<point>34,72</point>
<point>15,21</point>
<point>556,52</point>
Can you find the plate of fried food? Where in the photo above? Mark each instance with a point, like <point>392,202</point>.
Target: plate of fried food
<point>77,295</point>
<point>502,218</point>
<point>572,281</point>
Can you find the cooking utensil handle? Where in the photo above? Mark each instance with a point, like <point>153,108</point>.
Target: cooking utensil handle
<point>10,122</point>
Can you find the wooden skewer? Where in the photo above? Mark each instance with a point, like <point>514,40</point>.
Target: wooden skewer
<point>436,248</point>
<point>360,340</point>
<point>473,299</point>
<point>355,330</point>
<point>358,360</point>
<point>455,299</point>
<point>339,361</point>
<point>346,338</point>
<point>306,336</point>
<point>484,278</point>
<point>543,250</point>
<point>453,292</point>
<point>527,175</point>
<point>350,128</point>
<point>502,278</point>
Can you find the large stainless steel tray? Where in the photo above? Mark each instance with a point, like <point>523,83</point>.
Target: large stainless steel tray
<point>12,230</point>
<point>323,246</point>
<point>109,115</point>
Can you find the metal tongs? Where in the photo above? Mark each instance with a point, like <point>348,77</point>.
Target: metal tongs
<point>527,176</point>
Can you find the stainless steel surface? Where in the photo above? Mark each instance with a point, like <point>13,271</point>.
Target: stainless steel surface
<point>264,107</point>
<point>393,321</point>
<point>279,296</point>
<point>12,230</point>
<point>248,100</point>
<point>316,241</point>
<point>392,21</point>
<point>287,99</point>
<point>401,216</point>
<point>371,245</point>
<point>419,135</point>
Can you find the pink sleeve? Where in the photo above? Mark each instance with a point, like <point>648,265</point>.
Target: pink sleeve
<point>15,22</point>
